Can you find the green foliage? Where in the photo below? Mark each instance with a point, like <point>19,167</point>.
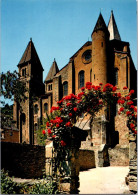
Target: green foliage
<point>6,115</point>
<point>12,86</point>
<point>43,187</point>
<point>8,186</point>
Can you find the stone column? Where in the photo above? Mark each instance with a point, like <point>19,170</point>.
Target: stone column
<point>132,178</point>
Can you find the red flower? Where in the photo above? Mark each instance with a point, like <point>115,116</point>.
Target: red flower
<point>130,102</point>
<point>69,104</point>
<point>80,94</point>
<point>135,109</point>
<point>97,88</point>
<point>83,88</point>
<point>57,125</point>
<point>124,87</point>
<point>54,136</point>
<point>121,109</point>
<point>60,102</point>
<point>70,114</point>
<point>128,113</point>
<point>119,95</point>
<point>49,131</point>
<point>104,89</point>
<point>114,88</point>
<point>135,132</point>
<point>132,125</point>
<point>100,83</point>
<point>75,109</point>
<point>128,98</point>
<point>93,86</point>
<point>88,85</point>
<point>132,106</point>
<point>68,124</point>
<point>132,91</point>
<point>47,124</point>
<point>63,143</point>
<point>44,132</point>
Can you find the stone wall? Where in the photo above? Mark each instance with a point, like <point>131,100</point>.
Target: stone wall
<point>86,159</point>
<point>119,155</point>
<point>23,160</point>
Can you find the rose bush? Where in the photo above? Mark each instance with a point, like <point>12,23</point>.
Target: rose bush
<point>90,100</point>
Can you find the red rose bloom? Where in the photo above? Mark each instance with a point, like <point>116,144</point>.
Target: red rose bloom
<point>114,88</point>
<point>128,98</point>
<point>44,132</point>
<point>69,104</point>
<point>124,87</point>
<point>128,113</point>
<point>100,83</point>
<point>121,109</point>
<point>57,125</point>
<point>119,95</point>
<point>49,131</point>
<point>68,124</point>
<point>130,102</point>
<point>47,124</point>
<point>70,114</point>
<point>63,143</point>
<point>83,88</point>
<point>132,91</point>
<point>75,109</point>
<point>54,136</point>
<point>132,125</point>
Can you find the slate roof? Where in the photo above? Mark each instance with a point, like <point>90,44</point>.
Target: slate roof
<point>112,27</point>
<point>100,24</point>
<point>52,72</point>
<point>30,54</point>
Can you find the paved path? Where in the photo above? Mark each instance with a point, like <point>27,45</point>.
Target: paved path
<point>103,180</point>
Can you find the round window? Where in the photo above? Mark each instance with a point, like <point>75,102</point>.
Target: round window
<point>87,56</point>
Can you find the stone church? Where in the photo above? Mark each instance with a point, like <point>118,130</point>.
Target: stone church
<point>104,59</point>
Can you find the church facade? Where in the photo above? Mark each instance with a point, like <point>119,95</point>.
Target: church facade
<point>105,59</point>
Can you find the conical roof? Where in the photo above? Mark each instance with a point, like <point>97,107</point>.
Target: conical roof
<point>30,54</point>
<point>100,24</point>
<point>112,27</point>
<point>52,72</point>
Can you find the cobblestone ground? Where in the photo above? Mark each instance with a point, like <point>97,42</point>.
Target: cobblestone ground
<point>104,180</point>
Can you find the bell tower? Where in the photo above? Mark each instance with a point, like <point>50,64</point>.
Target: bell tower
<point>100,38</point>
<point>31,71</point>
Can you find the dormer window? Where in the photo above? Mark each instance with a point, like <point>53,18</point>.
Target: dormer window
<point>24,72</point>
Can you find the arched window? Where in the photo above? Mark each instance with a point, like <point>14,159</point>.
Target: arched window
<point>65,88</point>
<point>91,75</point>
<point>35,127</point>
<point>36,109</point>
<point>23,118</point>
<point>116,76</point>
<point>81,79</point>
<point>45,107</point>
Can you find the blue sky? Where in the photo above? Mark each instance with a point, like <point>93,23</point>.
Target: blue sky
<point>59,27</point>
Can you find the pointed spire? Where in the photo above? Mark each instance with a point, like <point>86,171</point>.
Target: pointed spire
<point>30,54</point>
<point>100,24</point>
<point>53,71</point>
<point>112,27</point>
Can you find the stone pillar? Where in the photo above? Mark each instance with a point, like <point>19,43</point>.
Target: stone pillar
<point>132,178</point>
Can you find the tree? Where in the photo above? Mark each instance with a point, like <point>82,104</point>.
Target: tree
<point>14,89</point>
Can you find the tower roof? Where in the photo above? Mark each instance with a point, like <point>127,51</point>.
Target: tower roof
<point>52,72</point>
<point>100,24</point>
<point>112,27</point>
<point>30,54</point>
